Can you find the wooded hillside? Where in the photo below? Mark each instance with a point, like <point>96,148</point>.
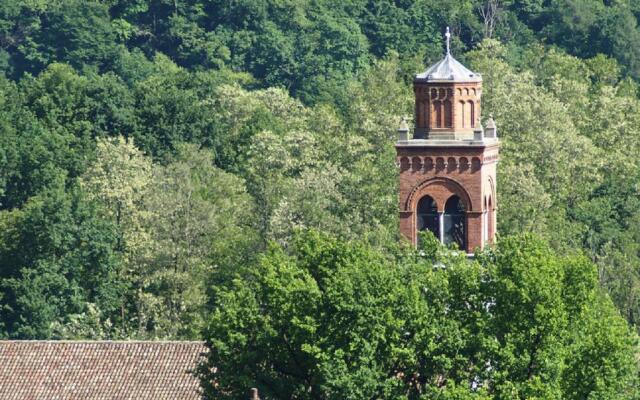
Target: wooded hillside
<point>151,151</point>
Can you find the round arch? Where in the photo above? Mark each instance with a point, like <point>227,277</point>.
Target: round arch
<point>492,189</point>
<point>427,218</point>
<point>440,189</point>
<point>454,223</point>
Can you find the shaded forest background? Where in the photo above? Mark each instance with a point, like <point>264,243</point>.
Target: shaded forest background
<point>225,170</point>
<point>146,147</point>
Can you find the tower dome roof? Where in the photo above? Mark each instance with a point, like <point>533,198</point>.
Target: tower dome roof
<point>448,70</point>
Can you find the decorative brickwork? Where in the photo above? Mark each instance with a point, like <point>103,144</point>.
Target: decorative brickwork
<point>450,161</point>
<point>446,110</point>
<point>441,171</point>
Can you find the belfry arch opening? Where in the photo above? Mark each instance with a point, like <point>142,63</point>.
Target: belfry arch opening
<point>454,223</point>
<point>427,216</point>
<point>449,226</point>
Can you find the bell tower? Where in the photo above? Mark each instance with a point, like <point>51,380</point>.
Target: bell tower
<point>448,166</point>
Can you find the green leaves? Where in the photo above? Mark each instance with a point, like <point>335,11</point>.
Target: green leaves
<point>340,319</point>
<point>234,124</point>
<point>57,255</point>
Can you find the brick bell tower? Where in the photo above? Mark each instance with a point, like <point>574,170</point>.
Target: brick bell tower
<point>448,167</point>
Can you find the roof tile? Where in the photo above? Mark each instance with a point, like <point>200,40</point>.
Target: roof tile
<point>68,370</point>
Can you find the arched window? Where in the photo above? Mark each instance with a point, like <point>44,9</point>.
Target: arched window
<point>437,114</point>
<point>472,114</point>
<point>424,114</point>
<point>462,115</point>
<point>455,223</point>
<point>485,222</point>
<point>428,216</point>
<point>491,227</point>
<point>447,114</point>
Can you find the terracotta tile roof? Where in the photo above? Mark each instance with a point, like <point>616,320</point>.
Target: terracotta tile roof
<point>103,370</point>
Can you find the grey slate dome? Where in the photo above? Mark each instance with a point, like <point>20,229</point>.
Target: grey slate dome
<point>448,70</point>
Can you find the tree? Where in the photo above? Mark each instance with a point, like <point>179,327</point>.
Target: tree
<point>203,224</point>
<point>327,318</point>
<point>58,262</point>
<point>119,182</point>
<point>490,13</point>
<point>39,33</point>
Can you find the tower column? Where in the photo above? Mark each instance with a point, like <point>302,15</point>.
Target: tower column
<point>474,224</point>
<point>441,225</point>
<point>485,226</point>
<point>407,226</point>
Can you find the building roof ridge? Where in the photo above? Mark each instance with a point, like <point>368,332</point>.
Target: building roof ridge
<point>99,341</point>
<point>449,69</point>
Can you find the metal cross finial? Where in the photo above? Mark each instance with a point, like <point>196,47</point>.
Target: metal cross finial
<point>447,35</point>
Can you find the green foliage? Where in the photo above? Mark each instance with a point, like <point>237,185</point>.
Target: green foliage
<point>201,224</point>
<point>335,319</point>
<point>579,127</point>
<point>151,151</point>
<point>311,48</point>
<point>37,33</point>
<point>57,256</point>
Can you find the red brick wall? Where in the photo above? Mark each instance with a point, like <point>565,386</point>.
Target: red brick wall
<point>440,172</point>
<point>428,94</point>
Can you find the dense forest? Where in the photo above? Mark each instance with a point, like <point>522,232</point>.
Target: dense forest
<point>181,169</point>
